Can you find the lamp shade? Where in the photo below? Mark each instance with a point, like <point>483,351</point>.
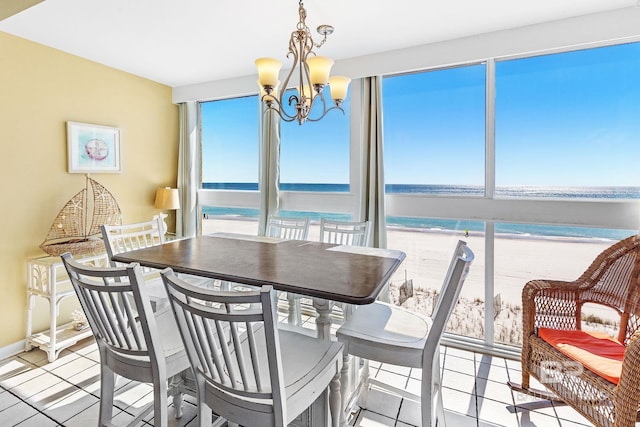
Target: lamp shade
<point>268,69</point>
<point>167,198</point>
<point>319,69</point>
<point>338,86</point>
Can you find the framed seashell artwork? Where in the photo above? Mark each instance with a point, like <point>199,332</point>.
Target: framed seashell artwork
<point>93,148</point>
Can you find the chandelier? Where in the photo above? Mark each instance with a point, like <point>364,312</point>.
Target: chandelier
<point>310,74</point>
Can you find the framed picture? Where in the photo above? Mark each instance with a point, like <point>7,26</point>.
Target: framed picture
<point>93,148</point>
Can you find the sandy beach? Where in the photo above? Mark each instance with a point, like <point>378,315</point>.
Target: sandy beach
<point>518,259</point>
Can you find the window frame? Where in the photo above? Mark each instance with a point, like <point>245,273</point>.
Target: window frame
<point>612,213</point>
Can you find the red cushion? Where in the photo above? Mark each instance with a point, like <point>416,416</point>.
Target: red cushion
<point>596,351</point>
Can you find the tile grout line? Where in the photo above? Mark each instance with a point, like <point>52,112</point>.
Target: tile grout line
<point>26,402</point>
<point>65,380</point>
<point>34,365</point>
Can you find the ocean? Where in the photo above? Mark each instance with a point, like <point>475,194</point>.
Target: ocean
<point>594,193</point>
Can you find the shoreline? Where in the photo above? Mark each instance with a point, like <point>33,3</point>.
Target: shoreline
<point>528,236</point>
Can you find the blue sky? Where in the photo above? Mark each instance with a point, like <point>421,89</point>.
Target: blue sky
<point>571,119</point>
<point>577,122</point>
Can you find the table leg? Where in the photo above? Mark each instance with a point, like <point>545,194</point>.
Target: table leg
<point>295,315</point>
<point>323,321</point>
<point>176,385</point>
<point>339,390</point>
<point>335,402</point>
<point>345,384</point>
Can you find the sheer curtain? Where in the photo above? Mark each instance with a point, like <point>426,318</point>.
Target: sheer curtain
<point>269,168</point>
<point>188,170</point>
<point>372,196</point>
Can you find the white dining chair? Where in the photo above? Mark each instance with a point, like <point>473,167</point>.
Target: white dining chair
<point>133,341</point>
<point>139,235</point>
<point>129,237</point>
<point>247,370</point>
<point>352,233</point>
<point>349,233</point>
<point>394,335</point>
<point>290,229</point>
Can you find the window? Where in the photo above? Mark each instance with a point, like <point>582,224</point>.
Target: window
<point>230,152</point>
<point>567,124</point>
<point>316,153</point>
<point>230,162</point>
<point>434,131</point>
<point>564,130</point>
<point>230,143</point>
<point>434,145</point>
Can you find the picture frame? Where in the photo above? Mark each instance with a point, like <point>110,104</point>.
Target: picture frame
<point>93,148</point>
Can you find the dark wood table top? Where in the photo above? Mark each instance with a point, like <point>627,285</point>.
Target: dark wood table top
<point>348,274</point>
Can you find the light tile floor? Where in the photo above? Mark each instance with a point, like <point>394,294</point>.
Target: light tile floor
<point>475,393</point>
<point>34,392</point>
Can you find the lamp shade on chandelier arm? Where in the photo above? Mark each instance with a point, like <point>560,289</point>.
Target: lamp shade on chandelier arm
<point>268,70</point>
<point>339,86</point>
<point>319,69</point>
<point>309,74</point>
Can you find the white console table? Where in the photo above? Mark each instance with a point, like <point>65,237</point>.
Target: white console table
<point>47,278</point>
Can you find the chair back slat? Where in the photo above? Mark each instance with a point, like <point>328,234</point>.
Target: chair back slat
<point>104,316</point>
<point>131,319</point>
<point>123,322</point>
<point>255,356</point>
<point>345,232</point>
<point>227,336</point>
<point>220,338</point>
<point>239,353</point>
<point>209,356</point>
<point>108,315</point>
<point>95,311</point>
<point>288,228</point>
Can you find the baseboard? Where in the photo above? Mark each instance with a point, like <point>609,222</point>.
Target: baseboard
<point>12,349</point>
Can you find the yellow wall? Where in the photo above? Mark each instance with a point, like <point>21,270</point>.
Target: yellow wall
<point>40,90</point>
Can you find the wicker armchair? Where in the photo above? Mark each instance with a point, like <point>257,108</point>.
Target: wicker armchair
<point>612,281</point>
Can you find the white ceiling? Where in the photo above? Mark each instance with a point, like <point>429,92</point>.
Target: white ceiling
<point>182,42</point>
